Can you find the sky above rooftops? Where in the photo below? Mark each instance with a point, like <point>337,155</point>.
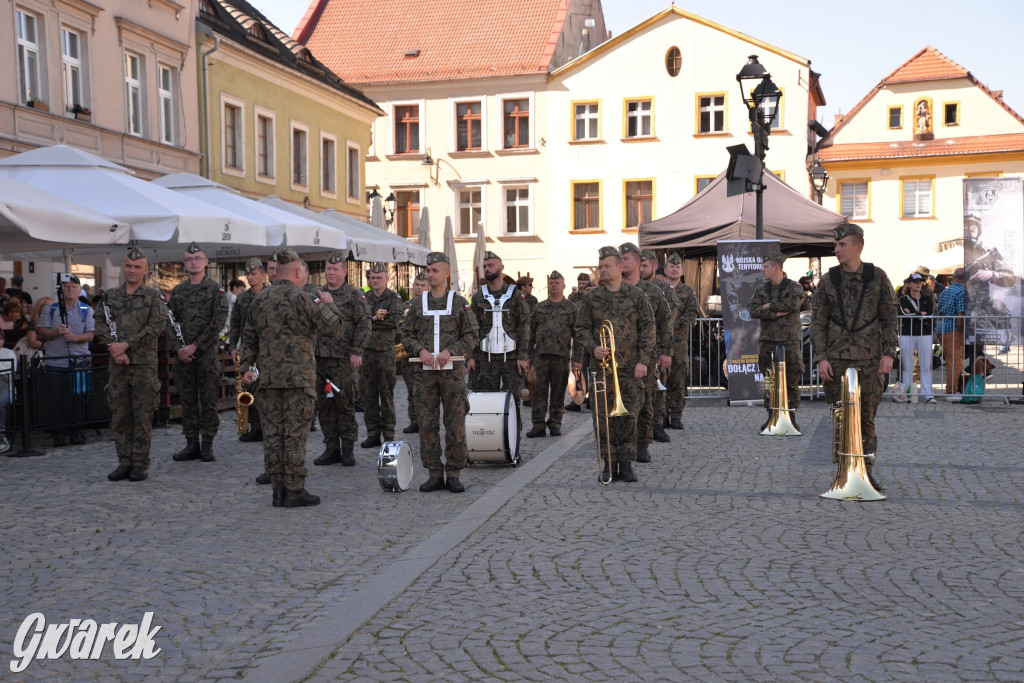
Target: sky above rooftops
<point>853,45</point>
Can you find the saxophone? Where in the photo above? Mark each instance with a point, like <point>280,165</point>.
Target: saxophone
<point>243,399</point>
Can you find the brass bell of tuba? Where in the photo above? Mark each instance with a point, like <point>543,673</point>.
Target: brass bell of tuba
<point>852,482</point>
<point>781,421</point>
<point>243,399</point>
<point>400,352</point>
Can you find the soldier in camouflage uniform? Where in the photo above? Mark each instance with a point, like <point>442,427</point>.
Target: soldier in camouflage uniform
<point>138,315</point>
<point>502,355</point>
<point>662,359</point>
<point>627,309</point>
<point>338,354</point>
<point>441,326</point>
<point>685,315</point>
<point>525,285</point>
<point>777,304</point>
<point>583,283</point>
<point>419,285</point>
<point>200,307</point>
<point>278,339</point>
<point>257,277</point>
<point>551,330</point>
<point>855,325</point>
<point>648,272</point>
<point>378,371</point>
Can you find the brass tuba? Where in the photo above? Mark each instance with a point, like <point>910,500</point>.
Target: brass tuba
<point>781,422</point>
<point>606,338</point>
<point>400,352</point>
<point>852,481</point>
<point>243,399</point>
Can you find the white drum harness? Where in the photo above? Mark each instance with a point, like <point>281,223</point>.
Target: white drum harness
<point>497,340</point>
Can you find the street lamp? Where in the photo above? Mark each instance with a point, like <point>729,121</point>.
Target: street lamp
<point>763,99</point>
<point>435,168</point>
<point>819,179</point>
<point>389,205</point>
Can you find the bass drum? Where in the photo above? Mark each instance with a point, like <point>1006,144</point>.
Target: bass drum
<point>492,428</point>
<point>394,466</point>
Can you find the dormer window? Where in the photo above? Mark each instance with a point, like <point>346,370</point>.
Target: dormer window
<point>206,6</point>
<point>257,32</point>
<point>306,56</point>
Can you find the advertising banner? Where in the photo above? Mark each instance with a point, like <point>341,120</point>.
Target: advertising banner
<point>739,273</point>
<point>994,257</point>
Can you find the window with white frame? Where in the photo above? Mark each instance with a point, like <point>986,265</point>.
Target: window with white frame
<point>639,123</point>
<point>300,151</point>
<point>470,211</point>
<point>468,126</point>
<point>234,139</point>
<point>165,92</point>
<point>517,209</point>
<point>265,145</point>
<point>917,198</point>
<point>515,118</point>
<point>328,164</point>
<point>407,129</point>
<point>354,181</point>
<point>71,66</point>
<point>29,80</point>
<point>711,113</point>
<point>585,116</point>
<point>133,93</point>
<point>853,199</point>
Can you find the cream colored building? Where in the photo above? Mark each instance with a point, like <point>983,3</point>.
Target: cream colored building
<point>898,159</point>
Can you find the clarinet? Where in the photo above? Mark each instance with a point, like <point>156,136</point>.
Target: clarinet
<point>175,326</point>
<point>110,320</point>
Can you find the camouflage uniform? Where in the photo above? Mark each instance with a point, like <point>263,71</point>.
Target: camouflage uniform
<point>407,374</point>
<point>786,297</point>
<point>856,331</point>
<point>663,347</point>
<point>531,303</point>
<point>551,329</point>
<point>378,371</point>
<point>685,315</point>
<point>279,337</point>
<point>132,390</point>
<point>238,313</point>
<point>434,388</point>
<point>200,310</point>
<point>635,332</point>
<point>492,373</point>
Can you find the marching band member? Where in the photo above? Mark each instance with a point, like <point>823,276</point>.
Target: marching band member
<point>685,316</point>
<point>378,371</point>
<point>551,327</point>
<point>504,324</point>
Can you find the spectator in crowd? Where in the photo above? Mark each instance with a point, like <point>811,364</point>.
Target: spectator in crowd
<point>67,354</point>
<point>235,287</point>
<point>85,297</point>
<point>950,328</point>
<point>8,366</point>
<point>16,290</point>
<point>34,342</point>
<point>14,321</point>
<point>936,286</point>
<point>916,311</point>
<point>807,284</point>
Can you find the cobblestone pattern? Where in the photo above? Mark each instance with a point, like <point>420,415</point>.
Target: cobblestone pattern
<point>723,564</point>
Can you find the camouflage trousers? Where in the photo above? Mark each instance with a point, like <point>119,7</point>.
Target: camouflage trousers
<point>623,429</point>
<point>496,374</point>
<point>872,386</point>
<point>287,414</point>
<point>197,384</point>
<point>410,390</point>
<point>678,378</point>
<point>132,392</point>
<point>645,419</point>
<point>794,369</point>
<point>378,387</point>
<point>337,415</point>
<point>552,378</point>
<point>434,389</point>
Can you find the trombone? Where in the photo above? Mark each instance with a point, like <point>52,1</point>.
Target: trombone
<point>606,338</point>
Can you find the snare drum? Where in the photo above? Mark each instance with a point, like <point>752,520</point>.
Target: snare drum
<point>492,428</point>
<point>394,466</point>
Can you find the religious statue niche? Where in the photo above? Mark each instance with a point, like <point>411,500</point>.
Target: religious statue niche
<point>923,120</point>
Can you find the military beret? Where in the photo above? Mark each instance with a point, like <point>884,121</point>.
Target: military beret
<point>845,230</point>
<point>555,275</point>
<point>285,255</point>
<point>583,277</point>
<point>628,247</point>
<point>490,255</point>
<point>648,255</point>
<point>438,257</point>
<point>605,252</point>
<point>775,256</point>
<point>674,258</point>
<point>422,276</point>
<point>135,253</point>
<point>524,280</point>
<point>379,268</point>
<point>336,256</point>
<point>193,248</point>
<point>253,264</point>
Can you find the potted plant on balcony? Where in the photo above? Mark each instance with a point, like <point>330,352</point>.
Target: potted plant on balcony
<point>37,103</point>
<point>81,113</point>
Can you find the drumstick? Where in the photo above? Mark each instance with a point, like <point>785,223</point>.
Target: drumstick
<point>417,360</point>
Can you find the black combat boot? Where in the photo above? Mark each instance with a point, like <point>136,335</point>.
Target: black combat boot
<point>206,454</point>
<point>572,408</point>
<point>121,473</point>
<point>331,455</point>
<point>642,454</point>
<point>263,480</point>
<point>278,499</point>
<point>412,429</point>
<point>535,432</point>
<point>765,425</point>
<point>792,418</point>
<point>433,483</point>
<point>371,442</point>
<point>138,473</point>
<point>626,471</point>
<point>189,452</point>
<point>660,435</point>
<point>665,422</point>
<point>677,423</point>
<point>555,431</point>
<point>255,434</point>
<point>871,477</point>
<point>454,485</point>
<point>348,458</point>
<point>298,499</point>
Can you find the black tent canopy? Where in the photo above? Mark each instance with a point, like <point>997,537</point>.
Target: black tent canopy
<point>802,226</point>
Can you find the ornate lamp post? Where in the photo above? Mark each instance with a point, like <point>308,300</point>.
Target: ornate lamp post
<point>389,205</point>
<point>763,99</point>
<point>819,179</point>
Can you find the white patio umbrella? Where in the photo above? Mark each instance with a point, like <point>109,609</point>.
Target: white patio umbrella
<point>377,219</point>
<point>282,227</point>
<point>161,219</point>
<point>401,249</point>
<point>478,256</point>
<point>449,251</point>
<point>423,230</point>
<point>358,244</point>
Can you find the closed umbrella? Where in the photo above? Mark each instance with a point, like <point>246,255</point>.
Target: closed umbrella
<point>423,231</point>
<point>478,256</point>
<point>449,251</point>
<point>377,219</point>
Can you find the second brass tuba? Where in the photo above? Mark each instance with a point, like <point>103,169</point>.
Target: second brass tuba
<point>781,421</point>
<point>852,481</point>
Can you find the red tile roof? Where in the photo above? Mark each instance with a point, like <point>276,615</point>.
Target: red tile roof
<point>981,144</point>
<point>367,42</point>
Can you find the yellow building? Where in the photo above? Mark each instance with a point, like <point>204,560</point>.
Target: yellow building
<point>897,160</point>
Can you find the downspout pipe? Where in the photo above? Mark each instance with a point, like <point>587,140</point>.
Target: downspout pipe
<point>206,105</point>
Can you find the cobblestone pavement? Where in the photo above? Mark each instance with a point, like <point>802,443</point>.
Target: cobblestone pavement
<point>721,564</point>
